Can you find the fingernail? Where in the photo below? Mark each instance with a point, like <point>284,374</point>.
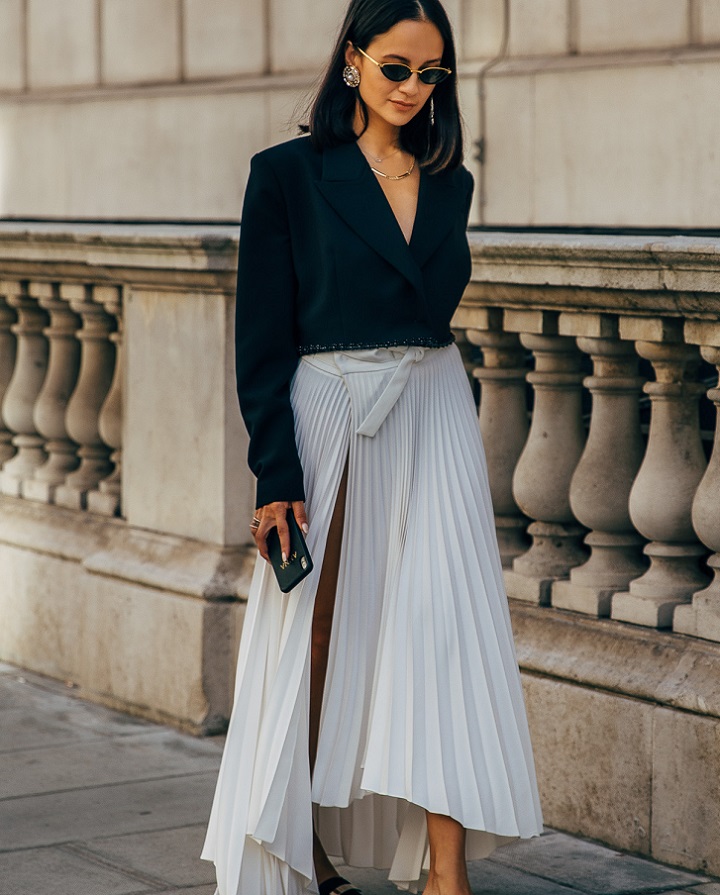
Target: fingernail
<point>305,527</point>
<point>284,556</point>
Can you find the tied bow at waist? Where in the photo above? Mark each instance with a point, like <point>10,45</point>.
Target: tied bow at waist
<point>363,361</point>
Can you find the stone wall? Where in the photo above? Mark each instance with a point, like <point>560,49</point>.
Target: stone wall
<point>590,111</point>
<point>603,116</point>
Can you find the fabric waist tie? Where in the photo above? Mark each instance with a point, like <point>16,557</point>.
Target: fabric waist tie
<point>386,401</point>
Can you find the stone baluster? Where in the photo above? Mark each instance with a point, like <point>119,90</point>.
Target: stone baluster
<point>7,366</point>
<point>106,499</point>
<point>541,483</point>
<point>662,494</point>
<point>97,362</point>
<point>23,389</point>
<point>504,425</point>
<point>702,617</point>
<point>600,487</point>
<point>62,372</point>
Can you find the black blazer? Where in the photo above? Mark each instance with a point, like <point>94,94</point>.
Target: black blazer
<point>324,265</point>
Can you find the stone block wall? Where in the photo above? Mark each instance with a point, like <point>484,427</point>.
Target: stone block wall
<point>12,49</point>
<point>140,41</point>
<point>538,27</point>
<point>219,43</point>
<point>631,759</point>
<point>60,44</point>
<point>590,112</point>
<point>599,114</point>
<point>612,25</point>
<point>591,145</point>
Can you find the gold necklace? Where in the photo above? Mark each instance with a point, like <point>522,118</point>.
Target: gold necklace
<point>395,176</point>
<point>379,160</point>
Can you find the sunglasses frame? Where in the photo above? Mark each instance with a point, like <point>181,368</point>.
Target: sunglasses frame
<point>411,71</point>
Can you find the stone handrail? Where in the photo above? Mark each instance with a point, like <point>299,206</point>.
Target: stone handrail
<point>619,525</point>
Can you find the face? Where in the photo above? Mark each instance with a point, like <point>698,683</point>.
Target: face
<point>417,44</point>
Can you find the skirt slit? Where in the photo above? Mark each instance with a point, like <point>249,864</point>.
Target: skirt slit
<point>323,613</point>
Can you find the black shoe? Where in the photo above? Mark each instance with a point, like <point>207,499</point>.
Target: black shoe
<point>336,885</point>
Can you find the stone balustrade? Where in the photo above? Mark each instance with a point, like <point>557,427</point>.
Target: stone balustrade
<point>624,519</point>
<point>124,495</point>
<point>60,378</point>
<point>595,513</point>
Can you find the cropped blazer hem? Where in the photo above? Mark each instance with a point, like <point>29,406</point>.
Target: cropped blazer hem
<point>323,265</point>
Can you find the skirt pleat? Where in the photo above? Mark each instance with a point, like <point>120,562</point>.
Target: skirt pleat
<point>423,706</point>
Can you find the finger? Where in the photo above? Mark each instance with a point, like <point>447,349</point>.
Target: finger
<point>260,537</point>
<point>298,508</point>
<point>267,523</point>
<point>283,530</point>
<point>268,516</point>
<point>261,544</point>
<point>255,524</point>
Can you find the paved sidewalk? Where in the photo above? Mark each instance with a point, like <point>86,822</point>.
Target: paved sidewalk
<point>93,802</point>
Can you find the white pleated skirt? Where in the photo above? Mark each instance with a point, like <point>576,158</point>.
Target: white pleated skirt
<point>423,707</point>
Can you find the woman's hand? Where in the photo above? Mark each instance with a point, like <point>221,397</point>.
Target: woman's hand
<point>273,515</point>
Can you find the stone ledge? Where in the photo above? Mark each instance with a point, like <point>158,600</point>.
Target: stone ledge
<point>613,264</point>
<point>634,275</point>
<point>611,59</point>
<point>656,666</point>
<point>299,80</point>
<point>186,258</point>
<point>641,275</point>
<point>145,622</point>
<point>111,548</point>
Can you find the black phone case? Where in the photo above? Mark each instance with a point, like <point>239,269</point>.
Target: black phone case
<point>299,563</point>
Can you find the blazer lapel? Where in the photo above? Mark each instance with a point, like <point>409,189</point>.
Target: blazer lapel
<point>350,187</point>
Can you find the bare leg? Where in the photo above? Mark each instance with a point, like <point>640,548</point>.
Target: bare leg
<point>448,870</point>
<point>322,624</point>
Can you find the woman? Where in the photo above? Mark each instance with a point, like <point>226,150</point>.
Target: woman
<point>378,708</point>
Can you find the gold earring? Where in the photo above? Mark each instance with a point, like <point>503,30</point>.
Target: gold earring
<point>351,76</point>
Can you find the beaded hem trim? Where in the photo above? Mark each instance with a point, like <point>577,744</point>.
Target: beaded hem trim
<point>357,346</point>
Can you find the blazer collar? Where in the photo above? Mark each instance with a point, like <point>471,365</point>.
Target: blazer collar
<point>352,189</point>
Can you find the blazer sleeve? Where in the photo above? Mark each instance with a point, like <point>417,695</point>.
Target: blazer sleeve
<point>470,186</point>
<point>265,353</point>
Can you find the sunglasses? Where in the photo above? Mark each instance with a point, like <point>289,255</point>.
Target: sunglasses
<point>398,71</point>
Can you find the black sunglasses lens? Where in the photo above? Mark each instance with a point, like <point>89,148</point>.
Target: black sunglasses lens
<point>433,75</point>
<point>399,72</point>
<point>396,72</point>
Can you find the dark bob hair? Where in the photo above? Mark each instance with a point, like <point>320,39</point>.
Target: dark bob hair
<point>438,147</point>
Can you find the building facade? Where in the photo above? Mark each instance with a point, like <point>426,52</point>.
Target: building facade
<point>589,112</point>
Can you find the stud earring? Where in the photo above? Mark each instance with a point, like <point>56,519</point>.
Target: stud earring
<point>351,76</point>
<point>432,111</point>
